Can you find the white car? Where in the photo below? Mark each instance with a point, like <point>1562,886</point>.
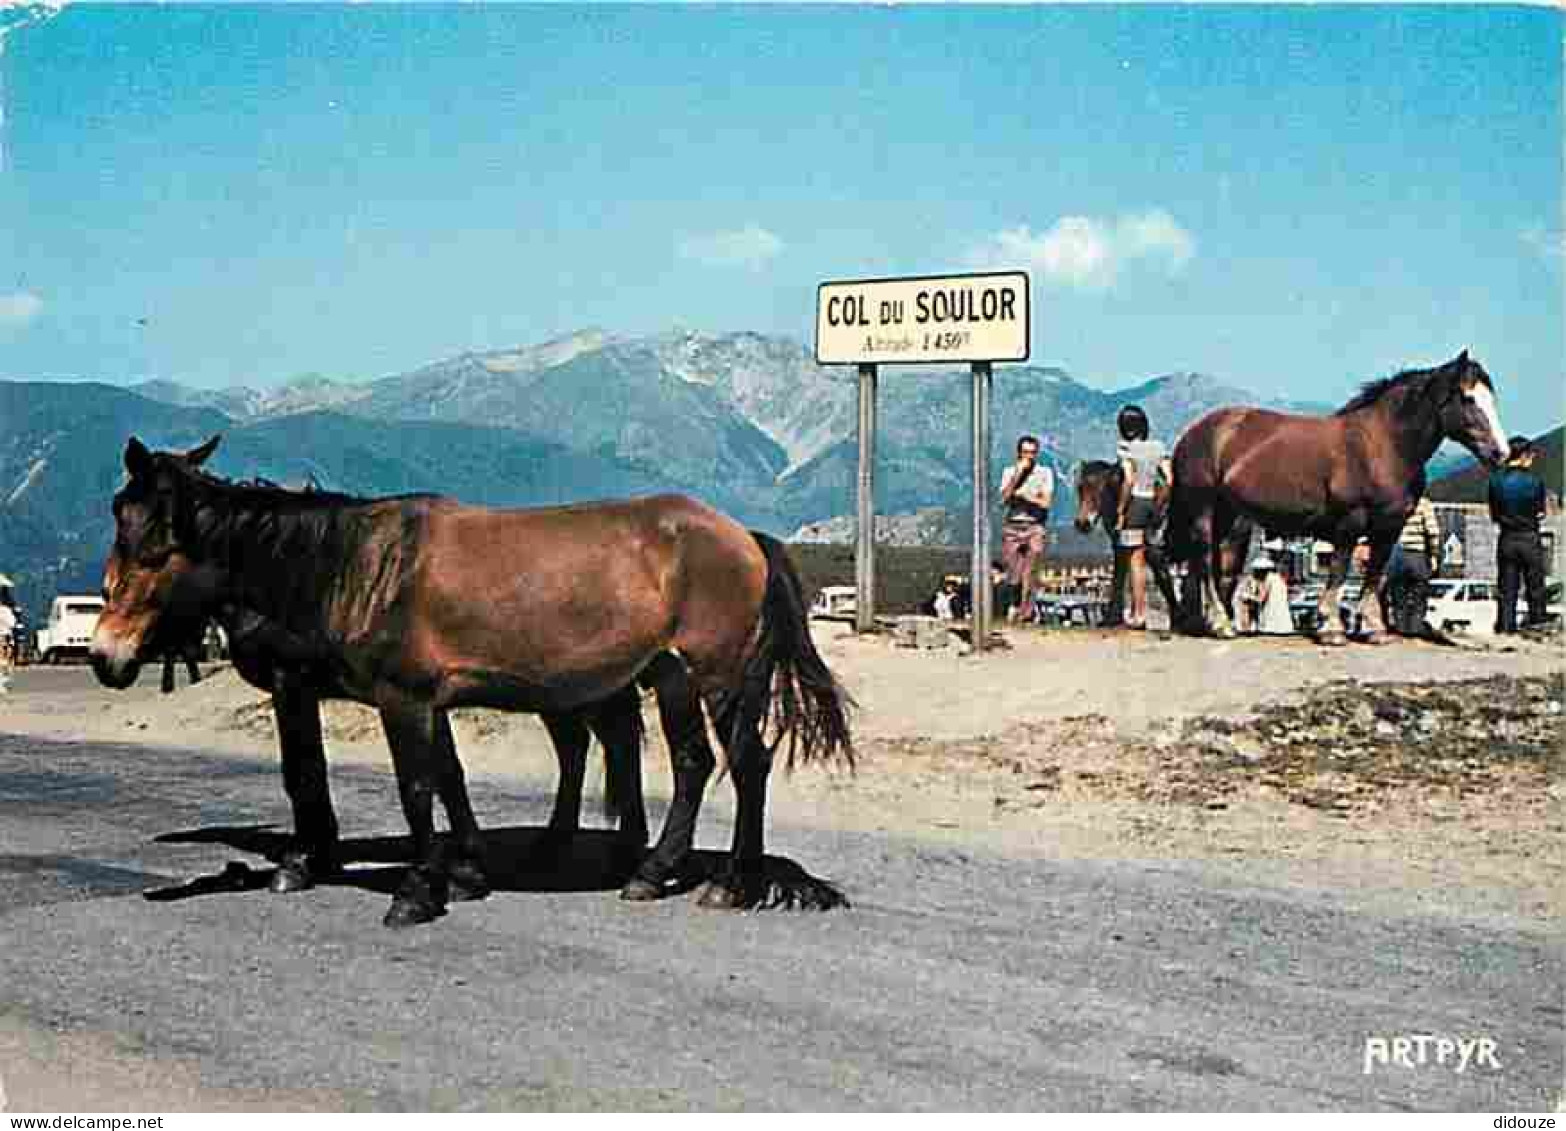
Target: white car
<point>1460,604</point>
<point>72,621</point>
<point>835,602</point>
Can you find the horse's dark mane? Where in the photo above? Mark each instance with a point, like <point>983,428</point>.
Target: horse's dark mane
<point>1372,391</point>
<point>292,545</point>
<point>263,492</point>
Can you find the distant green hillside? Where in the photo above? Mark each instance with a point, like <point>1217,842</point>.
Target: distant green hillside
<point>1468,485</point>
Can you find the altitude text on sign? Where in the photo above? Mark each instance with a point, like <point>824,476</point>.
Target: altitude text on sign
<point>903,321</point>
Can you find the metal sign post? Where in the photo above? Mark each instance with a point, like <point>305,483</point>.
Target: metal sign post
<point>980,576</point>
<point>979,319</point>
<point>864,536</point>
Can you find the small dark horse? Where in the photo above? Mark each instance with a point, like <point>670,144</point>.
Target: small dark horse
<point>188,653</point>
<point>418,604</point>
<point>1098,501</point>
<point>1357,473</point>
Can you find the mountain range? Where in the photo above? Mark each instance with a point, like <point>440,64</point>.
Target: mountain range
<point>746,421</point>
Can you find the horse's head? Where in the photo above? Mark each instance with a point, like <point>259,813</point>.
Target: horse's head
<point>1094,502</point>
<point>1468,410</point>
<point>157,591</point>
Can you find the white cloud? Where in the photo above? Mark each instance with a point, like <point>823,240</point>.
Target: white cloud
<point>18,309</point>
<point>750,246</point>
<point>1089,253</point>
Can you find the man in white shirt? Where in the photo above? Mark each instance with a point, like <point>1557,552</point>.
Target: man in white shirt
<point>1027,490</point>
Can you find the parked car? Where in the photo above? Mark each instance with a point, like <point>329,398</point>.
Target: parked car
<point>68,632</point>
<point>835,602</point>
<point>1462,605</point>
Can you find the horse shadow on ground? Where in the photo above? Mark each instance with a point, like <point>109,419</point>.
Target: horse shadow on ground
<point>516,860</point>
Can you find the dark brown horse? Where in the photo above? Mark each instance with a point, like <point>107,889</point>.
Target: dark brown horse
<point>418,604</point>
<point>1098,502</point>
<point>1355,474</point>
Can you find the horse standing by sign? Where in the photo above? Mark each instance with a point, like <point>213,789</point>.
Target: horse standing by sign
<point>1354,474</point>
<point>418,604</point>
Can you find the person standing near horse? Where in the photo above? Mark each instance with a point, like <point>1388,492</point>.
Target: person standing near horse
<point>8,622</point>
<point>1027,489</point>
<point>1415,558</point>
<point>1517,504</point>
<point>1143,462</point>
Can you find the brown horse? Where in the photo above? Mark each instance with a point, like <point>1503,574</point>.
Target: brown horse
<point>1098,502</point>
<point>418,604</point>
<point>1355,474</point>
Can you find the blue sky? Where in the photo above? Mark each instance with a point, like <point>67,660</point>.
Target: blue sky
<point>1290,199</point>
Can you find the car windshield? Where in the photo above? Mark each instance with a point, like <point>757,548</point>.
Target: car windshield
<point>92,608</point>
<point>1442,588</point>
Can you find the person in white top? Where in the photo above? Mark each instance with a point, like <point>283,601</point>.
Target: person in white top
<point>7,642</point>
<point>1027,489</point>
<point>1142,463</point>
<point>1273,618</point>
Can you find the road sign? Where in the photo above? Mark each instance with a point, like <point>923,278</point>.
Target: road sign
<point>951,318</point>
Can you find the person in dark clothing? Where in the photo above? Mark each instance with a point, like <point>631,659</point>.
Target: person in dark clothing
<point>1517,500</point>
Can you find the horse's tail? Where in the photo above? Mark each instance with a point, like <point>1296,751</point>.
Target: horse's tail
<point>789,689</point>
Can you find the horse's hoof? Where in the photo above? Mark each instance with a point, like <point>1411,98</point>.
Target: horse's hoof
<point>638,890</point>
<point>469,893</point>
<point>717,896</point>
<point>1376,638</point>
<point>465,884</point>
<point>1331,639</point>
<point>293,874</point>
<point>405,913</point>
<point>1225,632</point>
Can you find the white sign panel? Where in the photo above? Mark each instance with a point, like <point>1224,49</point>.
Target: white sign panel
<point>955,318</point>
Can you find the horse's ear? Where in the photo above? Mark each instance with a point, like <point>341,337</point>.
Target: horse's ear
<point>1462,358</point>
<point>138,460</point>
<point>198,456</point>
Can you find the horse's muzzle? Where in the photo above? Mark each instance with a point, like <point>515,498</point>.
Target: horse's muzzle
<point>116,675</point>
<point>1083,525</point>
<point>114,662</point>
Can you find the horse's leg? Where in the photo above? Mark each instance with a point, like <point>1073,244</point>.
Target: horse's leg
<point>191,667</point>
<point>411,733</point>
<point>1199,597</point>
<point>313,850</point>
<point>1115,610</point>
<point>568,731</point>
<point>1231,552</point>
<point>1329,629</point>
<point>747,879</point>
<point>1373,623</point>
<point>685,730</point>
<point>618,725</point>
<point>466,876</point>
<point>1218,616</point>
<point>1159,565</point>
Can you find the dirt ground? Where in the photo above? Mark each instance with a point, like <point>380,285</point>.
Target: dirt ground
<point>1412,775</point>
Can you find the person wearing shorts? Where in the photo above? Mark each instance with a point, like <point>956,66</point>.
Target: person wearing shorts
<point>1027,490</point>
<point>1142,462</point>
